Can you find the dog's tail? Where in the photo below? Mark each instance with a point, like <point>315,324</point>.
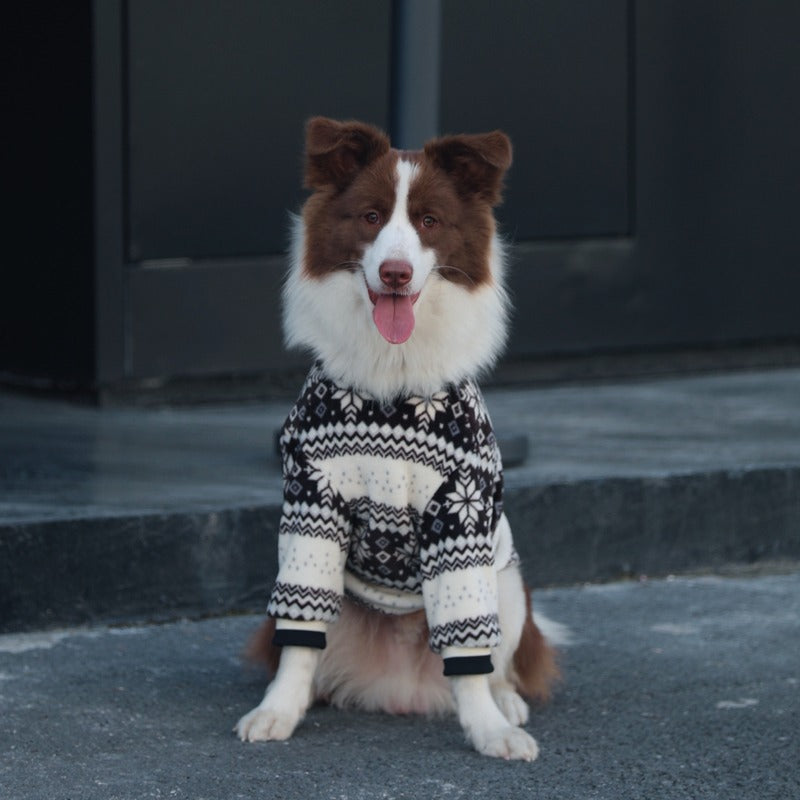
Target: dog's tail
<point>535,662</point>
<point>260,649</point>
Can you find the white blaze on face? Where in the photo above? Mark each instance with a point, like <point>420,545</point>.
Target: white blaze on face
<point>399,241</point>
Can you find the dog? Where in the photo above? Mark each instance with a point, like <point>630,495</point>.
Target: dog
<point>398,588</point>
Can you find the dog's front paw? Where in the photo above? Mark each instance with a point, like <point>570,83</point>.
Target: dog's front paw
<point>509,743</point>
<point>514,708</point>
<point>266,724</point>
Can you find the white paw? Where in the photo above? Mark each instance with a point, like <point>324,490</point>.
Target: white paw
<point>514,708</point>
<point>266,724</point>
<point>508,743</point>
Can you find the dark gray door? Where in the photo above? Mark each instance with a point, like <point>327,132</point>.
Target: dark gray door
<point>656,180</point>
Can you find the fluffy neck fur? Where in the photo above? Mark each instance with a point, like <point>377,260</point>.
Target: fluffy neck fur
<point>458,334</point>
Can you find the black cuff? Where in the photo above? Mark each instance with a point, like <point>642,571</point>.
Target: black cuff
<point>292,637</point>
<point>468,665</point>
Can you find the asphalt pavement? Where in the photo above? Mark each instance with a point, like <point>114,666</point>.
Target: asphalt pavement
<point>685,687</point>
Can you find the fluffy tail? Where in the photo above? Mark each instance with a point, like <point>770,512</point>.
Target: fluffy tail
<point>535,660</point>
<point>260,649</point>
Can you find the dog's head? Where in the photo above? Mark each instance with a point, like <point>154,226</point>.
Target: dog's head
<point>396,275</point>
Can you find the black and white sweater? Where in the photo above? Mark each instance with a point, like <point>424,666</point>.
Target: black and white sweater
<point>398,505</point>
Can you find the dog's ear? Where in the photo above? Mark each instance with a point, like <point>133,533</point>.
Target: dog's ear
<point>336,151</point>
<point>476,162</point>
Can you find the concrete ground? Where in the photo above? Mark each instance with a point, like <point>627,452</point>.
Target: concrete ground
<point>678,688</point>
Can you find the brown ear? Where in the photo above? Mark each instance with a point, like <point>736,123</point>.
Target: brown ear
<point>477,162</point>
<point>336,151</point>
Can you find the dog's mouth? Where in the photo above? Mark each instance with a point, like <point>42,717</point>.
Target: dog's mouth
<point>393,314</point>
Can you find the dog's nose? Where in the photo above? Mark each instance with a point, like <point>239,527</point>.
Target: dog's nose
<point>395,273</point>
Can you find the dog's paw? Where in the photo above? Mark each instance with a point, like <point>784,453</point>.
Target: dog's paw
<point>514,708</point>
<point>266,724</point>
<point>509,743</point>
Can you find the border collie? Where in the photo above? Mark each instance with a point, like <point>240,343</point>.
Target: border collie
<point>398,587</point>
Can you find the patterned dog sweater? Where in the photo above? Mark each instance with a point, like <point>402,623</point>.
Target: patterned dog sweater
<point>398,505</point>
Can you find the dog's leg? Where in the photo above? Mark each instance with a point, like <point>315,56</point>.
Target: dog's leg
<point>286,700</point>
<point>512,609</point>
<point>484,724</point>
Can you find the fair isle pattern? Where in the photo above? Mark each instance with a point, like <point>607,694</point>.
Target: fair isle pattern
<point>405,496</point>
<point>383,546</point>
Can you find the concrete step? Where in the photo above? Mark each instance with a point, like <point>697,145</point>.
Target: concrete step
<point>131,514</point>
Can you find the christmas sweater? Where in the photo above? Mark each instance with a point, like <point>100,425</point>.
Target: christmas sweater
<point>397,505</point>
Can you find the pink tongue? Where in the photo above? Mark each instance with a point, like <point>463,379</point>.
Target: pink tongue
<point>394,316</point>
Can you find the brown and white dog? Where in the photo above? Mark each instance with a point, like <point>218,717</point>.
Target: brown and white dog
<point>396,286</point>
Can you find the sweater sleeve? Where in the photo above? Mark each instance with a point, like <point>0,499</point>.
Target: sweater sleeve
<point>459,581</point>
<point>312,549</point>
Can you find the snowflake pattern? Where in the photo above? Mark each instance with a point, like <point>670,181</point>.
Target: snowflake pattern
<point>350,401</point>
<point>426,408</point>
<point>466,502</point>
<point>321,482</point>
<point>291,469</point>
<point>469,393</point>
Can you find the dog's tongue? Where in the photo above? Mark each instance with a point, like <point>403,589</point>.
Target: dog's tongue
<point>394,316</point>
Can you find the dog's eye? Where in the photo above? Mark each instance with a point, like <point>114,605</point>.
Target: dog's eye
<point>372,217</point>
<point>429,221</point>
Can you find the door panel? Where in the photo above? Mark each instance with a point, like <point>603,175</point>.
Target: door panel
<point>554,76</point>
<point>217,100</point>
<point>673,186</point>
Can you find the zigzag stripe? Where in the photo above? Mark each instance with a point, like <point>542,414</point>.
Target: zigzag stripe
<point>444,458</point>
<point>320,528</point>
<point>399,451</point>
<point>332,439</point>
<point>460,543</point>
<point>289,608</point>
<point>308,595</point>
<point>481,631</point>
<point>444,464</point>
<point>459,626</point>
<point>454,564</point>
<point>291,601</point>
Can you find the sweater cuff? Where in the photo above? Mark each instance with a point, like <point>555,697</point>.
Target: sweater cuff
<point>299,633</point>
<point>467,661</point>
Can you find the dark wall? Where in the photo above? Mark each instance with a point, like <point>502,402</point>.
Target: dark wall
<point>46,298</point>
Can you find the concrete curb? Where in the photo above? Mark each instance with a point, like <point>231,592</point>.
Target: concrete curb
<point>164,566</point>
